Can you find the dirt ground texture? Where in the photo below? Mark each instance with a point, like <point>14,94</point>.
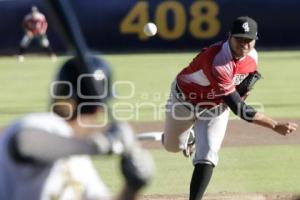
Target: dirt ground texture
<point>229,196</point>
<point>239,133</point>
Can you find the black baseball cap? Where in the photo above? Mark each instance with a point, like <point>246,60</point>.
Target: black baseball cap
<point>245,27</point>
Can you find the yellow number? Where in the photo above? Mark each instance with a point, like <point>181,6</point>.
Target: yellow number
<point>179,23</point>
<point>135,20</point>
<point>204,23</point>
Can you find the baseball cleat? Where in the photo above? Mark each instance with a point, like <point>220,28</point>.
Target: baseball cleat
<point>189,145</point>
<point>53,57</point>
<point>20,58</point>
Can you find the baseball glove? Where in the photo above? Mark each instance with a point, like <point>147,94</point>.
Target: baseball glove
<point>248,83</point>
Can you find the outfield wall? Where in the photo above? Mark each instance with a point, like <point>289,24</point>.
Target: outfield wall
<point>188,24</point>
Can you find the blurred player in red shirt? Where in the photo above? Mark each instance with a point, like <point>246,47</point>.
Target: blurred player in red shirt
<point>35,26</point>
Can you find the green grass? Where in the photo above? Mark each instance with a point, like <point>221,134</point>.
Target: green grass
<point>24,86</point>
<point>241,169</point>
<point>279,91</point>
<point>258,169</point>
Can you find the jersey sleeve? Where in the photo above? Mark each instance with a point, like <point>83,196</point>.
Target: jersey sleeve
<point>25,23</point>
<point>223,76</point>
<point>44,26</point>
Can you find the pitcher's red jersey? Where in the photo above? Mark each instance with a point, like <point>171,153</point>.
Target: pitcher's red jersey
<point>214,73</point>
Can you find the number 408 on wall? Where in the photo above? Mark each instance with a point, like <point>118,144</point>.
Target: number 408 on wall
<point>202,24</point>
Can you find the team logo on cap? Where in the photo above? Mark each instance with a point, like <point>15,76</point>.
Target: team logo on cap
<point>246,27</point>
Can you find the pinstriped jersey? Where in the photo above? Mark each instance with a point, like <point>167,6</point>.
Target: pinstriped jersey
<point>214,73</point>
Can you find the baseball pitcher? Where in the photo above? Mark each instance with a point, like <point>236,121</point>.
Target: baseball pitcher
<point>217,80</point>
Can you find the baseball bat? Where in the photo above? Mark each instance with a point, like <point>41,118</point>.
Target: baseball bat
<point>63,16</point>
<point>68,26</point>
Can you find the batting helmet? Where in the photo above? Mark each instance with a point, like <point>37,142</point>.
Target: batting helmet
<point>83,84</point>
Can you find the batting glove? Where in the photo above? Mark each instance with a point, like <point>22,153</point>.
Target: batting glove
<point>137,168</point>
<point>121,137</point>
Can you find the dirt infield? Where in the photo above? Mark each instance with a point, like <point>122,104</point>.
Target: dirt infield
<point>239,133</point>
<point>229,196</point>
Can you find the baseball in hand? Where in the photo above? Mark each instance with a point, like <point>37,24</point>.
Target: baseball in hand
<point>150,29</point>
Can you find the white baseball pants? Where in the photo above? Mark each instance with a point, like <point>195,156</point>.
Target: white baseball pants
<point>26,40</point>
<point>209,130</point>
